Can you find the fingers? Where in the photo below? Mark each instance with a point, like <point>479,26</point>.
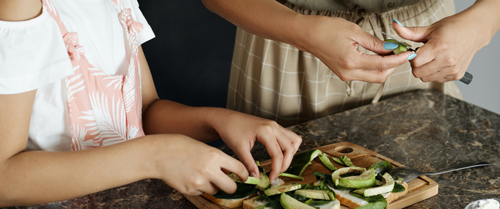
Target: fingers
<point>274,150</point>
<point>246,158</point>
<point>380,63</point>
<point>287,148</point>
<point>295,139</point>
<point>370,42</point>
<point>232,165</point>
<point>416,34</point>
<point>220,181</point>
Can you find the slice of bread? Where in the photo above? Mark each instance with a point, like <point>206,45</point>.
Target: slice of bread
<point>230,203</point>
<point>394,196</point>
<point>252,203</point>
<point>352,201</point>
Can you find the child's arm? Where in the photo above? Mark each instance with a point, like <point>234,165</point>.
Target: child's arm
<point>38,177</point>
<point>18,10</point>
<point>239,131</point>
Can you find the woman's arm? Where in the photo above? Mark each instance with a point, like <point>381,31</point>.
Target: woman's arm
<point>333,40</point>
<point>451,43</point>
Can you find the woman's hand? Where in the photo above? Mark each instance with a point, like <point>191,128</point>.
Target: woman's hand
<point>192,167</point>
<point>451,43</point>
<point>335,42</point>
<point>240,131</point>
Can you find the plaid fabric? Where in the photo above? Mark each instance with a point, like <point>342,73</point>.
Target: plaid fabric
<point>277,81</point>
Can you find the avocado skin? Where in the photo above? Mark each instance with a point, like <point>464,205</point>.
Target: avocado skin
<point>290,203</point>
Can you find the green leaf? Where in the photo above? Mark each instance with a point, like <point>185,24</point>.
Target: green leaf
<point>317,202</point>
<point>374,205</point>
<point>398,188</point>
<point>301,161</point>
<point>242,190</point>
<point>381,167</point>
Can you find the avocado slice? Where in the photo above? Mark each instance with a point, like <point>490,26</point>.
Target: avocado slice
<point>387,187</point>
<point>336,174</point>
<point>290,203</point>
<point>366,179</point>
<point>401,47</point>
<point>250,180</point>
<point>281,189</point>
<point>301,161</point>
<point>315,194</point>
<point>263,181</point>
<point>324,159</point>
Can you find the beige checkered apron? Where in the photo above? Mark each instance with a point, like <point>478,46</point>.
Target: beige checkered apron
<point>277,81</point>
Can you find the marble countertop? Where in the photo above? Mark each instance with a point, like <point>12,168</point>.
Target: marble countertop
<point>426,130</point>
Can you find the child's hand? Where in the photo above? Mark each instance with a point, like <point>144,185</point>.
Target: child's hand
<point>240,131</point>
<point>193,168</point>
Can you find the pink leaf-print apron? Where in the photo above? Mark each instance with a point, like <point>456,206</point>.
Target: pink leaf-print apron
<point>103,109</point>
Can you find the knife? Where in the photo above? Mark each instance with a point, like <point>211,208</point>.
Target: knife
<point>467,77</point>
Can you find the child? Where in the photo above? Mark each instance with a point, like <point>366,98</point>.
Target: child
<point>74,77</point>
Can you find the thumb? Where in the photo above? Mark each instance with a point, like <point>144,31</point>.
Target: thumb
<point>416,34</point>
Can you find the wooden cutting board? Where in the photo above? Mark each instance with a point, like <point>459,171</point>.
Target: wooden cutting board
<point>420,188</point>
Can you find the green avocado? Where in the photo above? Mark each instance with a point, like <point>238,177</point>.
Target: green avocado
<point>263,181</point>
<point>301,161</point>
<point>336,175</point>
<point>315,194</point>
<point>250,180</point>
<point>401,47</point>
<point>324,159</point>
<point>281,189</point>
<point>366,179</point>
<point>290,203</point>
<point>387,187</point>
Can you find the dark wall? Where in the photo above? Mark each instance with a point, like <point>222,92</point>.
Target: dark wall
<point>190,58</point>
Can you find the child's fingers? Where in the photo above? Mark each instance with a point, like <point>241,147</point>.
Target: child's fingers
<point>220,181</point>
<point>246,158</point>
<point>287,148</point>
<point>228,163</point>
<point>273,148</point>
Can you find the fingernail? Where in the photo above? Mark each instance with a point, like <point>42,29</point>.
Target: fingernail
<point>412,55</point>
<point>394,20</point>
<point>253,174</point>
<point>390,45</point>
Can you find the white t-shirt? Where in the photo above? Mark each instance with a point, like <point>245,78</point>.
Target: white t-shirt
<point>33,56</point>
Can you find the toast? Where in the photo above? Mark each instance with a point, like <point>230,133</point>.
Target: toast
<point>229,203</point>
<point>252,203</point>
<point>352,201</point>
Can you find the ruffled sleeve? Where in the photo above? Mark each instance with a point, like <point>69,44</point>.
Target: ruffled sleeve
<point>32,54</point>
<point>146,33</point>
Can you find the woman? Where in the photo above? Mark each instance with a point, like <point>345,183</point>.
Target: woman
<point>305,59</point>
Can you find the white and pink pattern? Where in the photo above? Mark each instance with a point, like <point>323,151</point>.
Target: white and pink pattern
<point>103,109</point>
